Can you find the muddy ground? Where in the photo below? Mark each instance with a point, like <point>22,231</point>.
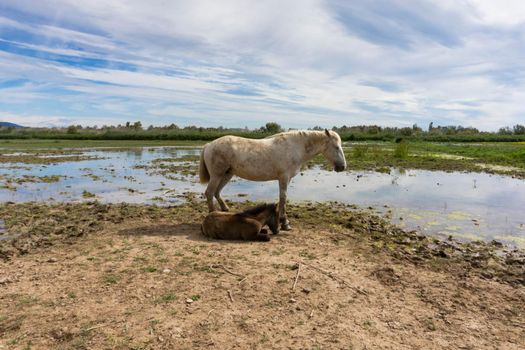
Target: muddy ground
<point>94,276</point>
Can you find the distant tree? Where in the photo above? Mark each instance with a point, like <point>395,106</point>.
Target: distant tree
<point>137,125</point>
<point>451,129</point>
<point>273,128</point>
<point>72,129</point>
<point>518,129</point>
<point>467,130</point>
<point>430,126</point>
<point>505,131</point>
<point>128,124</point>
<point>406,131</point>
<point>416,128</point>
<point>374,129</point>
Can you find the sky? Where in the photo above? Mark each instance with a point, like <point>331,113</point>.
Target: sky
<point>237,63</point>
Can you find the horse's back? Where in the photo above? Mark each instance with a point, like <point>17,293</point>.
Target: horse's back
<point>229,145</point>
<point>258,160</point>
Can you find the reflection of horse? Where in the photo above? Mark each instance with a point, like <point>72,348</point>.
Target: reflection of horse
<point>247,225</point>
<point>278,157</point>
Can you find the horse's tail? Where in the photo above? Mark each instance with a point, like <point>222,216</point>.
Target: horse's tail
<point>204,174</point>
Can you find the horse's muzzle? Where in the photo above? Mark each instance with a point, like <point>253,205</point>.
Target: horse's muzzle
<point>339,167</point>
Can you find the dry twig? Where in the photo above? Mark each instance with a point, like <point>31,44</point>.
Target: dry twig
<point>94,327</point>
<point>218,266</point>
<point>230,295</point>
<point>296,275</point>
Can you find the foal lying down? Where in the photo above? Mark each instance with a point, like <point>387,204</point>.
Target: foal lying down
<point>247,225</point>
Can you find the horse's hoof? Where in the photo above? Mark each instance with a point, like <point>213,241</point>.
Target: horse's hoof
<point>286,227</point>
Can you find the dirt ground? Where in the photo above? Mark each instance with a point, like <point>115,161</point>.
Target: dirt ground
<point>153,282</point>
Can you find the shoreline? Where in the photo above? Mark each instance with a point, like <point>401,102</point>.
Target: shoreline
<point>34,225</point>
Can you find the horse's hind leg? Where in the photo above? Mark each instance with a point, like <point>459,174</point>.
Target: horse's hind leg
<point>225,179</point>
<point>211,190</point>
<point>283,187</point>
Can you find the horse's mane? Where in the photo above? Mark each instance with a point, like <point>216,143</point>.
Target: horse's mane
<point>294,133</point>
<point>252,211</point>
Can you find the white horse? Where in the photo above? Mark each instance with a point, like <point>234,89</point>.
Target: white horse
<point>278,157</point>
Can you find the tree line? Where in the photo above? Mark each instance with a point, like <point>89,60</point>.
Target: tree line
<point>136,131</point>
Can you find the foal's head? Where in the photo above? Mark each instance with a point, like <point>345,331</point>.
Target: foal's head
<point>268,214</point>
<point>333,150</point>
<point>273,218</point>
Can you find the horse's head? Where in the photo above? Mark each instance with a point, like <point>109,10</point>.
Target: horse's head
<point>273,218</point>
<point>333,151</point>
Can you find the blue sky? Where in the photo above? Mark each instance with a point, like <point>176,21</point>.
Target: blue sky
<point>241,63</point>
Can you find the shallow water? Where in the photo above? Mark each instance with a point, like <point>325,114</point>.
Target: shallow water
<point>467,205</point>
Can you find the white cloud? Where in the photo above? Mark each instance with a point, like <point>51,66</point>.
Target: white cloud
<point>32,120</point>
<point>305,62</point>
<point>502,12</point>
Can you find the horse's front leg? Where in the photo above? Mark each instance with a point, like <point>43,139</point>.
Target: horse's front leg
<point>283,187</point>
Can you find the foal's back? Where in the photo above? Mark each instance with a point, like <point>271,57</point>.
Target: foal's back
<point>226,225</point>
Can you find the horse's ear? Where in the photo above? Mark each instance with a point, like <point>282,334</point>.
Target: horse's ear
<point>327,132</point>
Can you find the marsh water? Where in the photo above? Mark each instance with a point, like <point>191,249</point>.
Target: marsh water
<point>465,205</point>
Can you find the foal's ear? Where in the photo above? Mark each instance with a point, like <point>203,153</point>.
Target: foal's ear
<point>327,132</point>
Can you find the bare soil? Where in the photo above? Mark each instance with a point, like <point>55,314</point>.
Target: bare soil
<point>91,276</point>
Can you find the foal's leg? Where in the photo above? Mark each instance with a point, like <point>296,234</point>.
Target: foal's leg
<point>283,187</point>
<point>225,179</point>
<point>210,191</point>
<point>251,230</point>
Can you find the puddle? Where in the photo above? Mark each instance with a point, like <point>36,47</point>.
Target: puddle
<point>465,205</point>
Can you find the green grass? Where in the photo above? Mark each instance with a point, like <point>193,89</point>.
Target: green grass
<point>401,150</point>
<point>87,194</point>
<point>380,156</point>
<point>511,153</point>
<point>111,278</point>
<point>166,298</point>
